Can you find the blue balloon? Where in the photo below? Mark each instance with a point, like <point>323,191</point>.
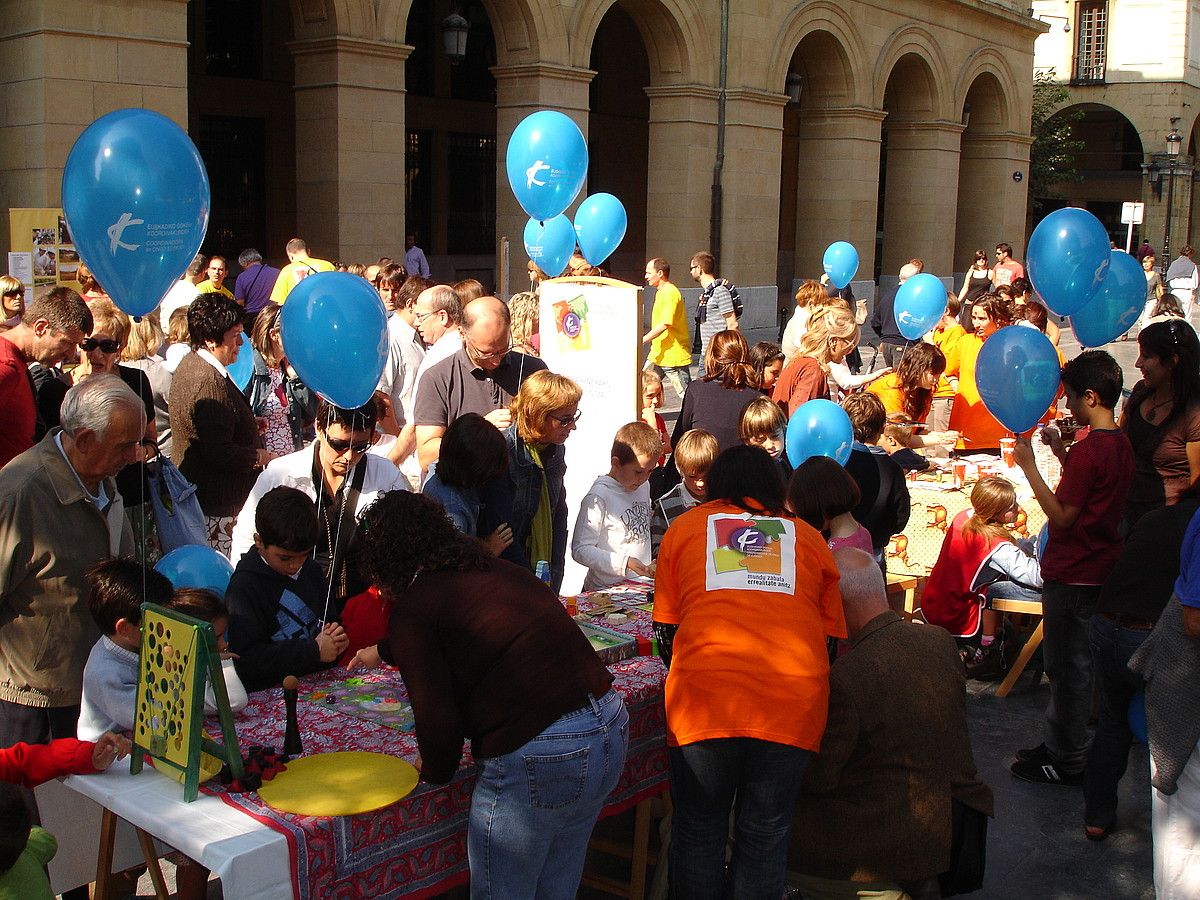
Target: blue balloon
<point>819,428</point>
<point>920,305</point>
<point>550,243</point>
<point>1067,259</point>
<point>1137,717</point>
<point>334,332</point>
<point>136,198</point>
<point>547,162</point>
<point>1017,373</point>
<point>600,224</point>
<point>1115,306</point>
<point>196,566</point>
<point>840,263</point>
<point>243,366</point>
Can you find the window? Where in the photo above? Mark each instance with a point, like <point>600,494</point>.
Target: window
<point>418,193</point>
<point>1091,48</point>
<point>471,212</point>
<point>234,152</point>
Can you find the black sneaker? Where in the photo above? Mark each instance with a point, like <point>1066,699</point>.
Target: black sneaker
<point>1039,752</point>
<point>1045,772</point>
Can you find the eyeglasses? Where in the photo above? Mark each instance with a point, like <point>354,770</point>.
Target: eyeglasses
<point>488,357</point>
<point>567,421</point>
<point>106,345</point>
<point>419,317</point>
<point>339,447</point>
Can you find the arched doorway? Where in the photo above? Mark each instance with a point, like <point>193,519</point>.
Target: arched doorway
<point>983,185</point>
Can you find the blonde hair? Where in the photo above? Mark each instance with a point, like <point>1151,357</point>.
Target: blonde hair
<point>760,418</point>
<point>145,338</point>
<point>636,439</point>
<point>87,281</point>
<point>541,394</point>
<point>831,322</point>
<point>106,317</point>
<point>901,434</point>
<point>177,327</point>
<point>991,499</point>
<point>524,316</point>
<point>260,335</point>
<point>695,452</point>
<point>648,378</point>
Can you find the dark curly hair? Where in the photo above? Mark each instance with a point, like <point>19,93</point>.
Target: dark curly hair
<point>402,534</point>
<point>209,317</point>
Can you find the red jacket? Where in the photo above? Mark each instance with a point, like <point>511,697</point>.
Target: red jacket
<point>951,597</point>
<point>31,764</point>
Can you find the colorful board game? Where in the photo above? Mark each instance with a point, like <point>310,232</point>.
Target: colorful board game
<point>610,646</point>
<point>380,703</point>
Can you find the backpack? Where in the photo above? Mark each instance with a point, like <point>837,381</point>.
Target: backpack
<point>737,301</point>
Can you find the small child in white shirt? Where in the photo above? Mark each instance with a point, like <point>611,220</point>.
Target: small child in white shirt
<point>612,532</point>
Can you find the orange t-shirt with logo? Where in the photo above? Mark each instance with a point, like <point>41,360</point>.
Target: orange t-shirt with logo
<point>754,597</point>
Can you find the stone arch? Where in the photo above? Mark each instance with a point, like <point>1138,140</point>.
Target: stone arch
<point>839,43</point>
<point>912,54</point>
<point>989,61</point>
<point>673,34</point>
<point>985,163</point>
<point>326,18</point>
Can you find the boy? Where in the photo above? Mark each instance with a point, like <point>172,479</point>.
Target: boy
<point>612,532</point>
<point>1083,546</point>
<point>117,590</point>
<point>896,440</point>
<point>764,425</point>
<point>694,454</point>
<point>277,597</point>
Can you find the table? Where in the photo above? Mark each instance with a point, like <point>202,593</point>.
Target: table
<point>413,848</point>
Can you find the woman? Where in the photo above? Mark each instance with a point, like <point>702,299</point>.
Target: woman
<point>832,333</point>
<point>745,712</point>
<point>215,441</point>
<point>523,311</point>
<point>1167,308</point>
<point>473,454</point>
<point>89,287</point>
<point>809,298</point>
<point>1162,417</point>
<point>1037,316</point>
<point>276,393</point>
<point>544,414</point>
<point>715,402</point>
<point>1155,291</point>
<point>978,430</point>
<point>141,352</point>
<point>907,393</point>
<point>489,654</point>
<point>12,302</point>
<point>977,283</point>
<point>767,360</point>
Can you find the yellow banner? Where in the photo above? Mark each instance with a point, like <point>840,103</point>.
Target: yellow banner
<point>42,252</point>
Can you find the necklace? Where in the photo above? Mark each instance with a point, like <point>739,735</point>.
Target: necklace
<point>1150,414</point>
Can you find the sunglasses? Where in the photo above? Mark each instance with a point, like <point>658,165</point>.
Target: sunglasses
<point>106,345</point>
<point>564,421</point>
<point>339,447</point>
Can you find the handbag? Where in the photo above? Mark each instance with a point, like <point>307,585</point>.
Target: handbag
<point>968,851</point>
<point>176,507</point>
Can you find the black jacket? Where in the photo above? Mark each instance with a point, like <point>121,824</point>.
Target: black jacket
<point>883,319</point>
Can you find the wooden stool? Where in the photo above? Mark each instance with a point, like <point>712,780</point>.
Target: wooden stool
<point>638,854</point>
<point>903,592</point>
<point>1024,607</point>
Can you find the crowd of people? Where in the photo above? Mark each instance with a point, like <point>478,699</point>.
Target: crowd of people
<point>798,702</point>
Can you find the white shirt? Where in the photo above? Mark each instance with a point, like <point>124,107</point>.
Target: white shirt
<point>182,293</point>
<point>399,378</point>
<point>213,361</point>
<point>613,527</point>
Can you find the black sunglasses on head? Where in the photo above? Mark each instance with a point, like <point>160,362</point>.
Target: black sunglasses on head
<point>106,345</point>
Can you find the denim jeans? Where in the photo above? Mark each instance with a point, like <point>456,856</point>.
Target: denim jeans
<point>706,777</point>
<point>679,376</point>
<point>1112,646</point>
<point>533,810</point>
<point>1010,590</point>
<point>1066,609</point>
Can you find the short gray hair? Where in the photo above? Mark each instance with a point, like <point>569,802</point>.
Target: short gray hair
<point>90,405</point>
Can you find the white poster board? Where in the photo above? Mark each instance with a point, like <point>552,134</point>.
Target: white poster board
<point>591,333</point>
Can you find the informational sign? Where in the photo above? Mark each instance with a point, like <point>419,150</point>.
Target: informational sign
<point>591,333</point>
<point>43,236</point>
<point>1131,213</point>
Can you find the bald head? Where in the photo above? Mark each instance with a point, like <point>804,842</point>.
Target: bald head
<point>864,594</point>
<point>486,331</point>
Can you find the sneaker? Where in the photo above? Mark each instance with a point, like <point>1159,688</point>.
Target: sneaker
<point>1045,772</point>
<point>1039,752</point>
<point>986,662</point>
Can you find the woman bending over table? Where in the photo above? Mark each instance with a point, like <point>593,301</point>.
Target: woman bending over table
<point>488,653</point>
<point>907,393</point>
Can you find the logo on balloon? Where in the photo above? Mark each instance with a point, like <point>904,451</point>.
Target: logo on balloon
<point>531,174</point>
<point>116,231</point>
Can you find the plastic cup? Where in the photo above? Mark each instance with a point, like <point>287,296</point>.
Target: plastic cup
<point>1008,447</point>
<point>960,472</point>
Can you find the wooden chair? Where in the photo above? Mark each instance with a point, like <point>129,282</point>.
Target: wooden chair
<point>1023,607</point>
<point>638,853</point>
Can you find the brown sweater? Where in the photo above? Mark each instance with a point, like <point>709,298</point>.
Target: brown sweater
<point>490,655</point>
<point>214,436</point>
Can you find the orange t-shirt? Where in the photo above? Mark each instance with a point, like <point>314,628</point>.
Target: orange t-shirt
<point>754,598</point>
<point>948,340</point>
<point>887,389</point>
<point>978,428</point>
<point>800,381</point>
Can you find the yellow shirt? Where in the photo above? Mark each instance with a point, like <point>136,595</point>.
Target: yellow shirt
<point>670,348</point>
<point>293,273</point>
<point>207,287</point>
<point>947,340</point>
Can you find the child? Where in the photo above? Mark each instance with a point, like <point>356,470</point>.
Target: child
<point>979,553</point>
<point>473,456</point>
<point>612,532</point>
<point>277,597</point>
<point>652,401</point>
<point>764,425</point>
<point>694,454</point>
<point>25,851</point>
<point>946,336</point>
<point>1082,548</point>
<point>824,496</point>
<point>767,360</point>
<point>897,440</point>
<point>118,588</point>
<point>178,345</point>
<point>208,607</point>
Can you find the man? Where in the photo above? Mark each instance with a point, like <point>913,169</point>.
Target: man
<point>668,334</point>
<point>438,317</point>
<point>1182,280</point>
<point>49,331</point>
<point>883,319</point>
<point>254,283</point>
<point>876,807</point>
<point>715,312</point>
<point>215,282</point>
<point>301,265</point>
<point>60,512</point>
<point>182,292</point>
<point>414,257</point>
<point>1144,250</point>
<point>399,378</point>
<point>481,378</point>
<point>1006,269</point>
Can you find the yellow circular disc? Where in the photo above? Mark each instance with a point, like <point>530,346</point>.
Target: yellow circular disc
<point>339,784</point>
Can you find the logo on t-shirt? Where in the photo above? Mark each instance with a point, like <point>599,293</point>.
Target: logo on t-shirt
<point>747,552</point>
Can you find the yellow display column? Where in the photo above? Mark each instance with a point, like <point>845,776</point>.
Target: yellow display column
<point>350,142</point>
<point>991,202</point>
<point>920,203</point>
<point>837,190</point>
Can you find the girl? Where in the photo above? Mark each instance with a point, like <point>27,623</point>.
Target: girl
<point>824,495</point>
<point>767,360</point>
<point>652,401</point>
<point>473,456</point>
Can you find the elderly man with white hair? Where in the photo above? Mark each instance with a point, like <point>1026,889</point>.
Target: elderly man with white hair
<point>60,513</point>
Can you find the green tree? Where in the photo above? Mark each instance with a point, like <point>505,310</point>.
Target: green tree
<point>1052,154</point>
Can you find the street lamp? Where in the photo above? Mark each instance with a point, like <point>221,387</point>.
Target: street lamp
<point>454,35</point>
<point>1174,143</point>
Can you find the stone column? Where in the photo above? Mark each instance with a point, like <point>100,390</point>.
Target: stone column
<point>920,202</point>
<point>837,193</point>
<point>350,140</point>
<point>522,90</point>
<point>1181,200</point>
<point>991,203</point>
<point>683,141</point>
<point>68,63</point>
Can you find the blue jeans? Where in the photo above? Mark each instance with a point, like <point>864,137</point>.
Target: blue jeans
<point>533,810</point>
<point>706,777</point>
<point>1066,610</point>
<point>1112,646</point>
<point>679,376</point>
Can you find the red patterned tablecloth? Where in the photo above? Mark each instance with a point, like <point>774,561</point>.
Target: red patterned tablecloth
<point>417,847</point>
